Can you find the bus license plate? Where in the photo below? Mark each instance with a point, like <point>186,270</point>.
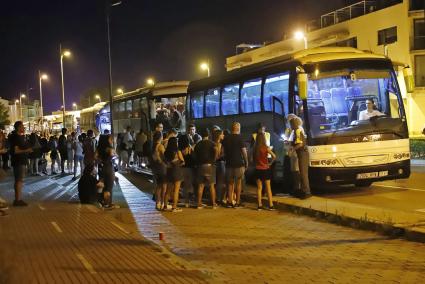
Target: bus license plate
<point>372,175</point>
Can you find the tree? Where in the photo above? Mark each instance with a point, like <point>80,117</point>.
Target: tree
<point>4,115</point>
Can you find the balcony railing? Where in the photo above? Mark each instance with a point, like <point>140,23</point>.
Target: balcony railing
<point>347,13</point>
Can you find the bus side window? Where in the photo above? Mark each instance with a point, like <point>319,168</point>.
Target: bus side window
<point>251,96</point>
<point>276,86</point>
<point>212,102</point>
<point>230,99</point>
<point>197,104</point>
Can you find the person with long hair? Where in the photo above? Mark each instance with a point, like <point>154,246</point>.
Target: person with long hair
<point>104,153</point>
<point>159,169</point>
<point>299,145</point>
<point>188,167</point>
<point>217,137</point>
<point>262,169</point>
<point>174,160</point>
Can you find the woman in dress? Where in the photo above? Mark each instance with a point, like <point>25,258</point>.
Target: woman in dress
<point>105,152</point>
<point>159,170</point>
<point>174,160</point>
<point>262,169</point>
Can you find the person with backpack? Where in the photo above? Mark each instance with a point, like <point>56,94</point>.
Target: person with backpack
<point>62,149</point>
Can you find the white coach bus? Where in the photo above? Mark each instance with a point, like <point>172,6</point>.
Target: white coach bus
<point>331,88</point>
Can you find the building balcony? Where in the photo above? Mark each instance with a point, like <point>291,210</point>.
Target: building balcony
<point>350,12</point>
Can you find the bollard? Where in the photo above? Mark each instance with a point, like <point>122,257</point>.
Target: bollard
<point>161,236</point>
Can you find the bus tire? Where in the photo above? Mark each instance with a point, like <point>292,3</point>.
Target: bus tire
<point>363,184</point>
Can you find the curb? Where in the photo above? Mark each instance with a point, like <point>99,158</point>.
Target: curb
<point>387,229</point>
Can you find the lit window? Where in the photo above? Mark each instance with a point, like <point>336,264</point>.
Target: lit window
<point>197,102</point>
<point>212,102</point>
<point>251,96</point>
<point>230,99</point>
<point>276,86</point>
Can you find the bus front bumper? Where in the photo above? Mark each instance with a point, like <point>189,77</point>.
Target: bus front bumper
<point>355,175</point>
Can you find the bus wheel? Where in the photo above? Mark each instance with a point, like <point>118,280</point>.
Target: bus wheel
<point>363,184</point>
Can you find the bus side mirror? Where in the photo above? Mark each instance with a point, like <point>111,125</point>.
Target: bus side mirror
<point>408,79</point>
<point>302,85</point>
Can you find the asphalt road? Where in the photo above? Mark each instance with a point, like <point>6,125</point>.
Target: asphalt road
<point>406,194</point>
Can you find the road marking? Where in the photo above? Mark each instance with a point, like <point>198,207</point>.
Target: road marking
<point>86,263</point>
<point>119,227</point>
<point>56,226</point>
<point>420,210</point>
<point>41,207</point>
<point>408,188</point>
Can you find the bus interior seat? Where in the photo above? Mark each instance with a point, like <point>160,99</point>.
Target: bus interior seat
<point>327,101</point>
<point>313,94</point>
<point>316,113</point>
<point>354,91</point>
<point>338,96</point>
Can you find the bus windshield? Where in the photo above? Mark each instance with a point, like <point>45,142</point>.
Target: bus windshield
<point>350,102</point>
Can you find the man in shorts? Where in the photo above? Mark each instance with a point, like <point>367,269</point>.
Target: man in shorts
<point>19,149</point>
<point>236,158</point>
<point>205,156</point>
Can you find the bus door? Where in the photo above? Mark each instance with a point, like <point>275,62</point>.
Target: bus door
<point>278,145</point>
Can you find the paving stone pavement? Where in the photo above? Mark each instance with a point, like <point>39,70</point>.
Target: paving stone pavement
<point>247,246</point>
<point>57,240</point>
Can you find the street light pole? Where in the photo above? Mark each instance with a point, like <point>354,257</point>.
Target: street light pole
<point>109,4</point>
<point>41,77</point>
<point>63,89</point>
<point>20,105</point>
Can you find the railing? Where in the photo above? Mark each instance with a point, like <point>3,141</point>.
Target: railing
<point>347,13</point>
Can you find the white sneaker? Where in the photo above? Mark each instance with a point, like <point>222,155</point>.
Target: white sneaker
<point>176,210</point>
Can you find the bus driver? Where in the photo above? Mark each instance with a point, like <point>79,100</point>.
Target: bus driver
<point>370,111</point>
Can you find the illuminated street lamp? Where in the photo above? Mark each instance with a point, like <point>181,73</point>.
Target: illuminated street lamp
<point>21,96</point>
<point>41,77</point>
<point>63,53</point>
<point>120,91</point>
<point>98,98</point>
<point>150,81</point>
<point>206,67</point>
<point>299,35</point>
<point>74,106</point>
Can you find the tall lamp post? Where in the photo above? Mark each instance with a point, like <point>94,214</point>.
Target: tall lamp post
<point>41,77</point>
<point>206,67</point>
<point>63,53</point>
<point>21,96</point>
<point>299,35</point>
<point>109,5</point>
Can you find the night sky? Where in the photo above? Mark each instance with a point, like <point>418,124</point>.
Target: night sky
<point>165,39</point>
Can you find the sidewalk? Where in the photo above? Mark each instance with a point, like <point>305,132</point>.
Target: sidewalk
<point>405,224</point>
<point>57,240</point>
